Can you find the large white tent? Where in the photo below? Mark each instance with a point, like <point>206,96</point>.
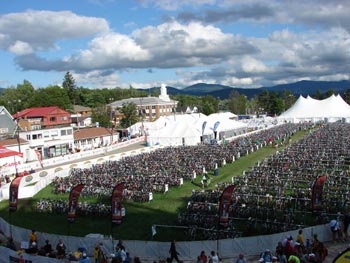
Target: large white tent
<point>331,109</point>
<point>191,129</point>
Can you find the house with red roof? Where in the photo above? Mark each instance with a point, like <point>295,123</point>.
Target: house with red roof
<point>44,117</point>
<point>47,129</point>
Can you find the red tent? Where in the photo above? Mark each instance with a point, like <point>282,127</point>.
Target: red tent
<point>4,152</point>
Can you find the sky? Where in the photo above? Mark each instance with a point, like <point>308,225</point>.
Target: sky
<point>143,43</point>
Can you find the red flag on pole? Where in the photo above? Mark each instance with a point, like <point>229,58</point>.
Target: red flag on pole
<point>117,204</point>
<point>13,195</point>
<point>73,201</point>
<point>225,203</point>
<point>317,191</point>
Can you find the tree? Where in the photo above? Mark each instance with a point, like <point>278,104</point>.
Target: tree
<point>264,102</point>
<point>100,115</point>
<point>329,93</point>
<point>209,105</point>
<point>51,96</point>
<point>17,98</point>
<point>289,99</point>
<point>347,96</point>
<point>25,92</point>
<point>252,106</point>
<point>69,85</point>
<point>130,115</point>
<point>318,95</point>
<point>232,102</point>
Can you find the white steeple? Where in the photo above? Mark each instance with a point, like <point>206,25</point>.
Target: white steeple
<point>163,93</point>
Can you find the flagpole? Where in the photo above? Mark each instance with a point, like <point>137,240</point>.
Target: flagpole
<point>112,235</point>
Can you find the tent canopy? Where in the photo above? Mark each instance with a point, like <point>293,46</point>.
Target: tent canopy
<point>331,107</point>
<point>4,152</point>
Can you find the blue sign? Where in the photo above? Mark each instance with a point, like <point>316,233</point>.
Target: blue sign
<point>203,127</point>
<point>216,125</point>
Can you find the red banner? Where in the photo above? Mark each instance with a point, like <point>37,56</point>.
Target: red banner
<point>225,203</point>
<point>38,154</point>
<point>317,191</point>
<point>73,201</point>
<point>13,195</point>
<point>117,204</point>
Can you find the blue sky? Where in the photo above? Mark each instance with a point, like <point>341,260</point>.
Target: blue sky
<point>143,43</point>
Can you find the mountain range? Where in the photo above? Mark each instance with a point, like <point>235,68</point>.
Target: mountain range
<point>304,87</point>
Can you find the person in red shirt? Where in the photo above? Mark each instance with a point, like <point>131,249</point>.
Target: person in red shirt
<point>203,257</point>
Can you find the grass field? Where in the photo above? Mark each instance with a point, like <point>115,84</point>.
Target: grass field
<point>140,217</point>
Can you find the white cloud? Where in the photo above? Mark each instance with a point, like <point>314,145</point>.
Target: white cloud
<point>252,65</point>
<point>97,79</point>
<point>110,50</point>
<point>233,81</point>
<point>41,29</point>
<point>201,51</point>
<point>174,5</point>
<point>168,45</point>
<point>20,48</point>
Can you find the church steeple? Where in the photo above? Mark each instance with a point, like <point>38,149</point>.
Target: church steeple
<point>163,93</point>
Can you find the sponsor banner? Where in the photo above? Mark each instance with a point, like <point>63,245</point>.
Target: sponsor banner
<point>203,126</point>
<point>38,154</point>
<point>216,125</point>
<point>343,257</point>
<point>317,192</point>
<point>13,195</point>
<point>73,202</point>
<point>117,204</point>
<point>225,203</point>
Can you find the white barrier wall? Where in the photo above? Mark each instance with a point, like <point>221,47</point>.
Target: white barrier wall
<point>151,250</point>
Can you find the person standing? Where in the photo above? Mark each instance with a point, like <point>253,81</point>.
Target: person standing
<point>214,257</point>
<point>61,249</point>
<point>173,252</point>
<point>203,257</point>
<point>33,237</point>
<point>300,238</point>
<point>240,259</point>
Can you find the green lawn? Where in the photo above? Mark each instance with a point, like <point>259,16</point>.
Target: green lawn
<point>139,218</point>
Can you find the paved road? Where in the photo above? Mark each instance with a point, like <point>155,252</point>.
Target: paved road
<point>126,148</point>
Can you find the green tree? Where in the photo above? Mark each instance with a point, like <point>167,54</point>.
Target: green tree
<point>289,99</point>
<point>185,100</point>
<point>276,104</point>
<point>347,96</point>
<point>209,105</point>
<point>25,92</point>
<point>329,93</point>
<point>51,96</point>
<point>252,106</point>
<point>100,115</point>
<point>69,85</point>
<point>232,102</point>
<point>318,95</point>
<point>130,115</point>
<point>17,98</point>
<point>263,101</point>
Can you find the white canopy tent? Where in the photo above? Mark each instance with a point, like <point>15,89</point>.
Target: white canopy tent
<point>191,129</point>
<point>331,109</point>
